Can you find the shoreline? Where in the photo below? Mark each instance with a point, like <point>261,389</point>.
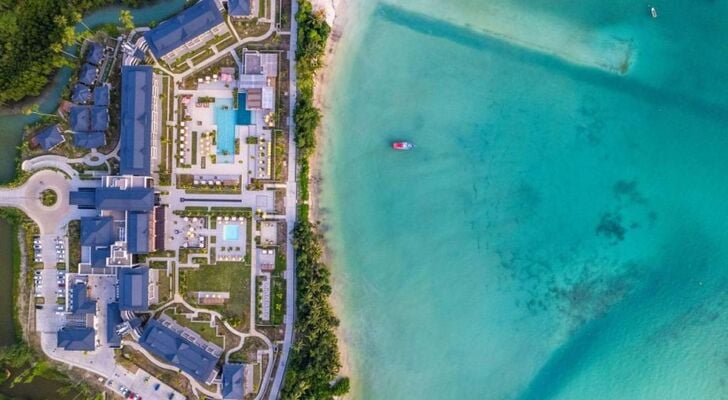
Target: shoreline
<point>336,19</point>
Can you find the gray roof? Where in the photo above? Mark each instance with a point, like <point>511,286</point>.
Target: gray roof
<point>232,381</point>
<point>49,137</point>
<point>89,140</point>
<point>178,351</point>
<point>97,231</point>
<point>95,53</point>
<point>88,118</point>
<point>87,74</point>
<point>133,289</point>
<point>113,319</point>
<point>101,95</point>
<point>77,339</point>
<point>137,232</point>
<point>132,199</point>
<point>239,8</point>
<point>183,27</point>
<point>81,93</point>
<point>136,120</point>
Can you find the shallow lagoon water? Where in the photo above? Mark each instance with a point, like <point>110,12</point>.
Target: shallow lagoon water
<point>560,230</point>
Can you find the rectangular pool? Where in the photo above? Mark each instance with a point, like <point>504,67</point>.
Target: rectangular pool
<point>245,117</point>
<point>230,232</point>
<point>225,119</point>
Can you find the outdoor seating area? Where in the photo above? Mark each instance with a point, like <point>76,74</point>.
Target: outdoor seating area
<point>191,232</point>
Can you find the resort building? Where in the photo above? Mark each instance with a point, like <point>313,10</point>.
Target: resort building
<point>138,108</point>
<point>182,348</point>
<point>239,9</point>
<point>133,289</point>
<point>186,31</point>
<point>88,74</point>
<point>95,53</point>
<point>79,334</point>
<point>101,95</point>
<point>125,224</point>
<point>232,382</point>
<point>81,94</point>
<point>48,137</point>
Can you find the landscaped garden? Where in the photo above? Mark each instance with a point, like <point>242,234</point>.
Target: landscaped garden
<point>231,277</point>
<point>48,197</point>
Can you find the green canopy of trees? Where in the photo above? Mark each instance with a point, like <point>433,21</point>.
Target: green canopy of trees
<point>314,361</point>
<point>33,34</point>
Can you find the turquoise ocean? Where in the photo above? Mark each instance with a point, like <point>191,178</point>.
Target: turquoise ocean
<point>561,229</point>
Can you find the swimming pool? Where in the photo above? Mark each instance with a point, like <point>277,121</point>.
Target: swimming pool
<point>230,232</point>
<point>225,119</point>
<point>244,116</point>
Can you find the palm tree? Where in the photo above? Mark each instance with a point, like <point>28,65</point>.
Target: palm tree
<point>126,19</point>
<point>34,109</point>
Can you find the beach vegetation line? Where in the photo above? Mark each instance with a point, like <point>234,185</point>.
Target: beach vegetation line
<point>314,363</point>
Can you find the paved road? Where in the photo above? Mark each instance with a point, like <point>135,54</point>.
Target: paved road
<point>291,197</point>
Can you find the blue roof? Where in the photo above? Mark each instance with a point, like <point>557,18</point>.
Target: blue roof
<point>239,8</point>
<point>136,120</point>
<point>95,53</point>
<point>49,137</point>
<point>183,27</point>
<point>101,95</point>
<point>83,198</point>
<point>133,289</point>
<point>113,318</point>
<point>89,140</point>
<point>99,256</point>
<point>81,93</point>
<point>97,231</point>
<point>80,303</point>
<point>88,118</point>
<point>168,345</point>
<point>87,74</point>
<point>137,232</point>
<point>133,199</point>
<point>232,381</point>
<point>77,339</point>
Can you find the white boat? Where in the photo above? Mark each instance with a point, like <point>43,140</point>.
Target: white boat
<point>653,12</point>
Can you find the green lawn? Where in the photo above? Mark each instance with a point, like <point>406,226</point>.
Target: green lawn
<point>164,287</point>
<point>202,56</point>
<point>194,148</point>
<point>226,43</point>
<point>278,301</point>
<point>232,277</point>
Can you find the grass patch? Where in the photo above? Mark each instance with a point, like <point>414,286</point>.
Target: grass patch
<point>194,147</point>
<point>226,43</point>
<point>207,53</point>
<point>278,300</point>
<point>232,277</point>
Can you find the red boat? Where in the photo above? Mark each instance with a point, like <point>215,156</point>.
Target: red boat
<point>402,145</point>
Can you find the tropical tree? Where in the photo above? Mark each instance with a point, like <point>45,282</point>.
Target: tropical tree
<point>126,19</point>
<point>35,109</point>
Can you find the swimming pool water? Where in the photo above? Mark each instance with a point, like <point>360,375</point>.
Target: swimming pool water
<point>225,120</point>
<point>245,117</point>
<point>230,232</point>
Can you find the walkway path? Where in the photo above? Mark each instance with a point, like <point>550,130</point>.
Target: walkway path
<point>291,198</point>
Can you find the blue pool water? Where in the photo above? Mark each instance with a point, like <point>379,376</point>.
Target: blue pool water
<point>225,120</point>
<point>230,232</point>
<point>244,116</point>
